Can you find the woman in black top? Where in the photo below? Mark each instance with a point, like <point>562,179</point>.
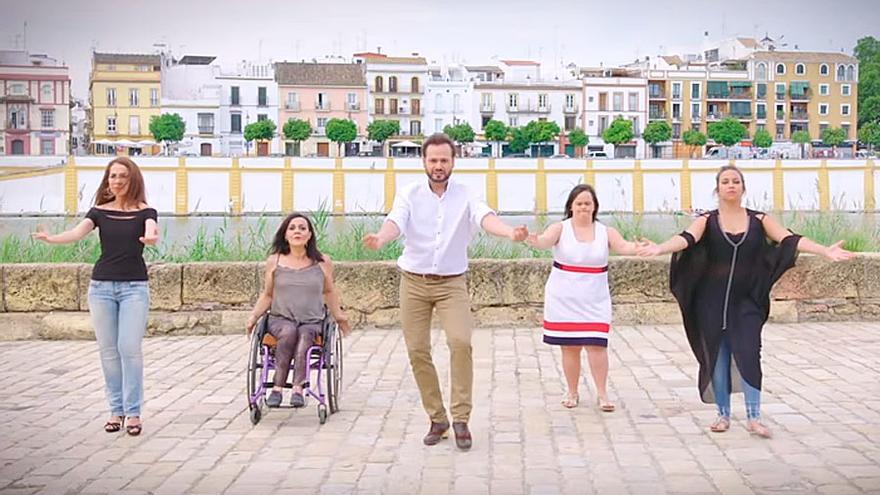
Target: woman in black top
<point>119,296</point>
<point>721,275</point>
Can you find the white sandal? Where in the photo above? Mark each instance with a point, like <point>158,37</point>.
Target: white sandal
<point>570,400</point>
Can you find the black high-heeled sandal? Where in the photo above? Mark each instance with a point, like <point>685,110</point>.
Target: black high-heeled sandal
<point>113,426</point>
<point>134,430</point>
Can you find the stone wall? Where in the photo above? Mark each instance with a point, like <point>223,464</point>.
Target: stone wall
<point>49,300</point>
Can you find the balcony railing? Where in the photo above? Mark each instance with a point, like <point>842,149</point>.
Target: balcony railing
<point>780,96</point>
<point>571,109</point>
<point>742,115</point>
<point>320,131</point>
<point>657,114</point>
<point>206,129</point>
<point>804,96</point>
<point>322,107</point>
<point>780,115</point>
<point>696,116</point>
<point>293,106</point>
<point>352,106</point>
<point>487,108</point>
<point>529,108</point>
<point>762,114</point>
<point>800,116</point>
<point>714,115</point>
<point>657,95</point>
<point>740,95</point>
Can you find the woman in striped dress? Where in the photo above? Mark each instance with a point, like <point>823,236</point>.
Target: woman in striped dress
<point>577,303</point>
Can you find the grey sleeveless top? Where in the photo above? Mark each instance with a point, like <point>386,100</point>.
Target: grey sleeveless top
<point>299,293</point>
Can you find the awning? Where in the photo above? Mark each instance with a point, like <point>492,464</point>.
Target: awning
<point>146,142</point>
<point>799,88</point>
<point>406,144</point>
<point>740,84</point>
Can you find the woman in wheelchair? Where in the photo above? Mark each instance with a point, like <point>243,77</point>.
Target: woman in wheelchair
<point>298,284</point>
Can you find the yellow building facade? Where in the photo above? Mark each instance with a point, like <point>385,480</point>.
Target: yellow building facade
<point>124,93</point>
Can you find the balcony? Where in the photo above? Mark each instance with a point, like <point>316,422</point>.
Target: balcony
<point>487,108</point>
<point>353,106</point>
<point>742,116</point>
<point>571,109</point>
<point>528,108</point>
<point>206,129</point>
<point>409,111</point>
<point>802,116</point>
<point>657,94</point>
<point>16,98</point>
<point>658,114</point>
<point>11,124</point>
<point>320,131</point>
<point>717,115</point>
<point>780,115</point>
<point>293,106</point>
<point>780,96</point>
<point>322,106</point>
<point>740,95</point>
<point>800,96</point>
<point>762,114</point>
<point>696,116</point>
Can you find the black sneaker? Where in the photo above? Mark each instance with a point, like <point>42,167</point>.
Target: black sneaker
<point>274,399</point>
<point>297,400</point>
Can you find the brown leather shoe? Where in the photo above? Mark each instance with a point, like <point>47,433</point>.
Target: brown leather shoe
<point>437,432</point>
<point>462,436</point>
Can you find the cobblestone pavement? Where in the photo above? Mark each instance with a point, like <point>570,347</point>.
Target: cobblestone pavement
<point>822,401</point>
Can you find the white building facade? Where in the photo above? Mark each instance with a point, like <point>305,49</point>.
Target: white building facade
<point>190,89</point>
<point>247,94</point>
<point>608,96</point>
<point>448,98</point>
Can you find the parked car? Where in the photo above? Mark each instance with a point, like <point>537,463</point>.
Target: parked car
<point>560,155</point>
<point>517,155</point>
<point>598,155</point>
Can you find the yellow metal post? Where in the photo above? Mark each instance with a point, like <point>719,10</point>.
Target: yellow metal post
<point>778,187</point>
<point>824,186</point>
<point>181,188</point>
<point>390,184</point>
<point>338,188</point>
<point>492,185</point>
<point>540,188</point>
<point>638,184</point>
<point>235,187</point>
<point>685,185</point>
<point>287,186</point>
<point>870,201</point>
<point>71,192</point>
<point>590,174</point>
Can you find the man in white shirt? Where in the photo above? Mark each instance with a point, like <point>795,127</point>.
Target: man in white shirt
<point>438,218</point>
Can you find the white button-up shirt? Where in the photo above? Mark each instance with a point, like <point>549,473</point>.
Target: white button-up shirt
<point>436,229</point>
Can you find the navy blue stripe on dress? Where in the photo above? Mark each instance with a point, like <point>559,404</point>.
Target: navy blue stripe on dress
<point>575,341</point>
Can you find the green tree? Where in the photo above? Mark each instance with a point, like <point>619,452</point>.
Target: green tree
<point>341,131</point>
<point>834,137</point>
<point>518,140</point>
<point>870,135</point>
<point>297,130</point>
<point>579,139</point>
<point>460,133</point>
<point>542,131</point>
<point>381,130</point>
<point>167,128</point>
<point>495,131</point>
<point>694,138</point>
<point>763,139</point>
<point>727,132</point>
<point>867,51</point>
<point>261,130</point>
<point>620,131</point>
<point>801,138</point>
<point>657,131</point>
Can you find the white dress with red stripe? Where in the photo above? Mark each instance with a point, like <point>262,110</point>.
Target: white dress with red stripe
<point>577,302</point>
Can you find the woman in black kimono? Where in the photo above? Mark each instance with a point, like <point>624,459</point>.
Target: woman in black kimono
<point>723,268</point>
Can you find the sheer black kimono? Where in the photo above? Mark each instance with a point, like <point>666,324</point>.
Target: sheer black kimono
<point>722,285</point>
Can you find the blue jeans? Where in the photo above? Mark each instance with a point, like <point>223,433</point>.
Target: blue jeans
<point>119,315</point>
<point>721,385</point>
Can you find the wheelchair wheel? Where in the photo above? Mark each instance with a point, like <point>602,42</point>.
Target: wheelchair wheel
<point>255,375</point>
<point>334,368</point>
<point>322,413</point>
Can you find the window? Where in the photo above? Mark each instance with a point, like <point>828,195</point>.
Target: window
<point>761,109</point>
<point>633,102</point>
<point>569,122</point>
<point>850,73</point>
<point>760,127</point>
<point>17,89</point>
<point>800,69</point>
<point>46,92</point>
<point>618,102</point>
<point>695,110</point>
<point>780,91</point>
<point>844,109</point>
<point>154,97</point>
<point>569,101</point>
<point>542,101</point>
<point>415,128</point>
<point>512,121</point>
<point>392,106</point>
<point>111,125</point>
<point>379,106</point>
<point>823,89</point>
<point>762,91</point>
<point>392,84</point>
<point>845,128</point>
<point>415,106</point>
<point>235,97</point>
<point>676,110</point>
<point>134,96</point>
<point>695,127</point>
<point>823,109</point>
<point>322,122</point>
<point>262,116</point>
<point>676,131</point>
<point>636,131</point>
<point>823,69</point>
<point>352,100</point>
<point>695,91</point>
<point>235,123</point>
<point>456,103</point>
<point>438,125</point>
<point>261,96</point>
<point>780,131</point>
<point>822,128</point>
<point>780,68</point>
<point>512,100</point>
<point>780,111</point>
<point>292,101</point>
<point>134,125</point>
<point>47,118</point>
<point>111,97</point>
<point>761,72</point>
<point>841,73</point>
<point>206,123</point>
<point>378,84</point>
<point>676,91</point>
<point>414,85</point>
<point>845,89</point>
<point>47,147</point>
<point>603,101</point>
<point>322,102</point>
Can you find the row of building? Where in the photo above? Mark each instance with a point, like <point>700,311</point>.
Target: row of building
<point>749,80</point>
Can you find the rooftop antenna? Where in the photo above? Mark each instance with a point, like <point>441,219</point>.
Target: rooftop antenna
<point>25,35</point>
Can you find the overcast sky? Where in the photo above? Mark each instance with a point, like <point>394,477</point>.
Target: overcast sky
<point>586,32</point>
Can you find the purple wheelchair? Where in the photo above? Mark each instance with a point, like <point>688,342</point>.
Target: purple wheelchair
<point>325,366</point>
